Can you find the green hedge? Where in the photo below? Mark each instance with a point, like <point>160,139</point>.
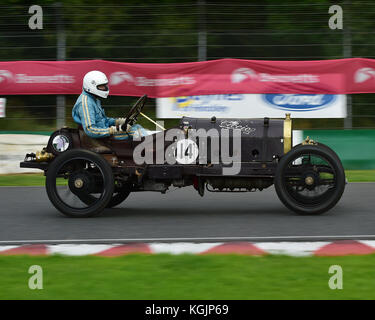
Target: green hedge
<point>43,133</point>
<point>356,148</point>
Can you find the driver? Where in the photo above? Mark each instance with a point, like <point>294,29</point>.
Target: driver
<point>89,113</point>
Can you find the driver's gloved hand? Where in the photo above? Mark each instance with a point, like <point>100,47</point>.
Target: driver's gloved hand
<point>120,121</point>
<point>115,130</point>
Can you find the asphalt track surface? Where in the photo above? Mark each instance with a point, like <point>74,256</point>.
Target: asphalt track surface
<point>27,216</point>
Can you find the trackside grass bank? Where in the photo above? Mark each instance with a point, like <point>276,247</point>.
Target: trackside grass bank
<point>37,179</point>
<point>165,276</point>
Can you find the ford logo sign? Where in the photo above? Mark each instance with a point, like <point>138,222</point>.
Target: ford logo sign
<point>299,102</point>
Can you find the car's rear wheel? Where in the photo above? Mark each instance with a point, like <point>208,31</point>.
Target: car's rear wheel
<point>80,183</point>
<point>310,179</point>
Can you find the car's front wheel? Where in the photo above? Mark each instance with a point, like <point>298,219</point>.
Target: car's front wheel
<point>310,179</point>
<point>80,183</point>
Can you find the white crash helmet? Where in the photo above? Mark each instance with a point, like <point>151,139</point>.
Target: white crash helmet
<point>92,80</point>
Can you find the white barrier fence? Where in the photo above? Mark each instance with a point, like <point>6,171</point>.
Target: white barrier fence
<point>13,148</point>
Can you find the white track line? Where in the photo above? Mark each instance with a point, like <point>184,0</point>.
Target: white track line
<point>220,239</point>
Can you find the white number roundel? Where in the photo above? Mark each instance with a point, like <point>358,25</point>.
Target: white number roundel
<point>186,151</point>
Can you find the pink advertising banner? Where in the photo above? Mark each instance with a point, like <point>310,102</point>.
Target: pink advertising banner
<point>225,76</point>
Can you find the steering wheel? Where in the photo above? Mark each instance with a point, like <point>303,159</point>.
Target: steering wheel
<point>134,112</point>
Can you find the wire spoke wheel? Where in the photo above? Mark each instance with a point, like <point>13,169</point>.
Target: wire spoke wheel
<point>80,183</point>
<point>310,179</point>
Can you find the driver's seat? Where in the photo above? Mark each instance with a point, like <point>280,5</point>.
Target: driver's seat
<point>95,145</point>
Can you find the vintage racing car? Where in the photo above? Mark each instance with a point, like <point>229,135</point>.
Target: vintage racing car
<point>84,175</point>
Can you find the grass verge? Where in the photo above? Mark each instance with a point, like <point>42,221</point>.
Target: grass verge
<point>165,276</point>
<point>26,179</point>
<point>37,179</point>
<point>360,175</point>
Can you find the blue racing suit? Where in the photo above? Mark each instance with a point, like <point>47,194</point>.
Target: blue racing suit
<point>89,113</point>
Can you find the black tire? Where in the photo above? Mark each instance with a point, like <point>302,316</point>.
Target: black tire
<point>97,175</point>
<point>118,197</point>
<point>289,184</point>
